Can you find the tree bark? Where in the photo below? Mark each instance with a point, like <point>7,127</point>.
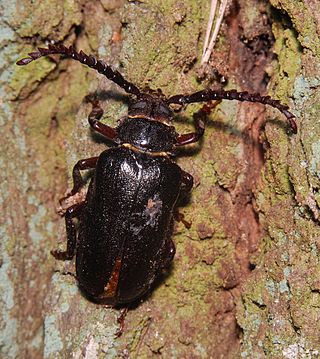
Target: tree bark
<point>244,281</point>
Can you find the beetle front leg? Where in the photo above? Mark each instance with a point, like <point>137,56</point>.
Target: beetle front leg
<point>71,213</point>
<point>199,124</point>
<point>199,118</point>
<point>104,130</point>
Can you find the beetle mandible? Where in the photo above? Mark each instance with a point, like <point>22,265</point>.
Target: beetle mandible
<point>123,239</point>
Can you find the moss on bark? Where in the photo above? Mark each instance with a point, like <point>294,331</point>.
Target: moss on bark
<point>244,281</point>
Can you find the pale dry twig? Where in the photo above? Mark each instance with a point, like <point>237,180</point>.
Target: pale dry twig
<point>207,49</point>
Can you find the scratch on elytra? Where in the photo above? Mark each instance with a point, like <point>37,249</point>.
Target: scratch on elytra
<point>152,210</point>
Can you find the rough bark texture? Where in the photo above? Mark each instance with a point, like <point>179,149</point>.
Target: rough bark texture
<point>245,279</point>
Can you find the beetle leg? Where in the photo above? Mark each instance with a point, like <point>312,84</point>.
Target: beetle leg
<point>98,126</point>
<point>72,212</point>
<point>193,136</point>
<point>179,217</point>
<point>121,321</point>
<point>199,118</point>
<point>81,165</point>
<point>103,129</point>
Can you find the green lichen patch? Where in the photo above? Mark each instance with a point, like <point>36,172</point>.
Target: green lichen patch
<point>31,18</point>
<point>304,17</point>
<point>214,257</point>
<point>89,329</point>
<point>172,38</point>
<point>277,301</point>
<point>276,168</point>
<point>289,54</point>
<point>56,107</point>
<point>257,314</point>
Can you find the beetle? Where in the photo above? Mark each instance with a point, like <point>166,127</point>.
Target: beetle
<point>123,240</point>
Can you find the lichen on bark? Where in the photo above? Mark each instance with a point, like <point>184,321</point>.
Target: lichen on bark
<point>244,279</point>
<point>277,312</point>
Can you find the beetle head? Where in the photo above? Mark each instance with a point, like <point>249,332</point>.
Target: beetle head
<point>148,125</point>
<point>151,107</point>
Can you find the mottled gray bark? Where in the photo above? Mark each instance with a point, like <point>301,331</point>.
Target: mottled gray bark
<point>244,282</point>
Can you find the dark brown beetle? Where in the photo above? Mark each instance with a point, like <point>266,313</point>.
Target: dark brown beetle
<point>123,240</point>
